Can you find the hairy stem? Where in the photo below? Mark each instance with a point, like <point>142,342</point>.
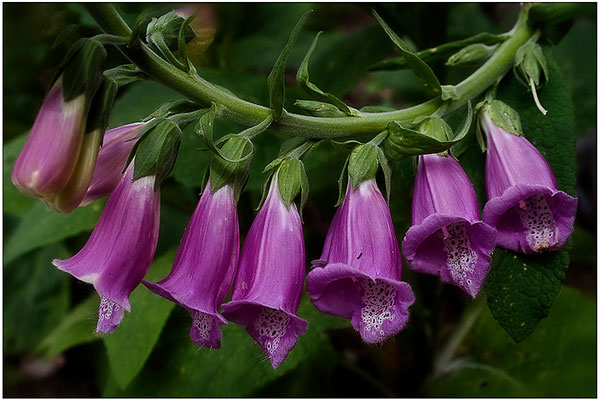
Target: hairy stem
<point>232,107</point>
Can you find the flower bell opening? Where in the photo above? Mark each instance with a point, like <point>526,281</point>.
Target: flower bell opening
<point>358,275</point>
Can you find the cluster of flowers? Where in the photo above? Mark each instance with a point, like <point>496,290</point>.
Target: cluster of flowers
<point>359,273</point>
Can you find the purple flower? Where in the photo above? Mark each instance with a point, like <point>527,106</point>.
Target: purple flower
<point>50,154</point>
<point>269,281</point>
<point>524,203</point>
<point>111,159</point>
<point>447,237</point>
<point>358,275</point>
<point>121,247</point>
<point>205,265</point>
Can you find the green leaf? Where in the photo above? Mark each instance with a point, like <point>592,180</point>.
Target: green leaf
<point>403,142</point>
<point>558,360</point>
<point>440,52</point>
<point>420,68</point>
<point>76,328</point>
<point>304,81</point>
<point>36,296</point>
<point>132,342</point>
<point>237,369</point>
<point>42,226</point>
<point>275,80</point>
<point>15,203</point>
<point>521,288</point>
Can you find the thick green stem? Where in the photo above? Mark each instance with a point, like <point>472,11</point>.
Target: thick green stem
<point>232,107</point>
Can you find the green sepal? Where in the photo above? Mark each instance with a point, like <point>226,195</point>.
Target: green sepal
<point>182,41</point>
<point>171,108</point>
<point>472,54</point>
<point>440,52</point>
<point>81,70</point>
<point>275,80</point>
<point>156,151</point>
<point>425,74</point>
<point>363,163</point>
<point>342,183</point>
<point>303,80</point>
<point>530,63</point>
<point>289,177</point>
<point>319,109</point>
<point>403,142</point>
<point>504,116</point>
<point>168,26</point>
<point>240,150</point>
<point>436,128</point>
<point>125,74</point>
<point>101,106</point>
<point>386,167</point>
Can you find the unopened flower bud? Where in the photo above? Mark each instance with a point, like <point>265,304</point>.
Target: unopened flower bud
<point>471,54</point>
<point>48,159</point>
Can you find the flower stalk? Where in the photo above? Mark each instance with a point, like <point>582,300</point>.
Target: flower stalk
<point>201,91</point>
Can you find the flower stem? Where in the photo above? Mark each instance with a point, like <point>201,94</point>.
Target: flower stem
<point>234,108</point>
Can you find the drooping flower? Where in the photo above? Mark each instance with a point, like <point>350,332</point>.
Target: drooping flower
<point>50,154</point>
<point>270,276</point>
<point>111,160</point>
<point>447,237</point>
<point>358,274</point>
<point>120,249</point>
<point>205,265</point>
<point>524,203</point>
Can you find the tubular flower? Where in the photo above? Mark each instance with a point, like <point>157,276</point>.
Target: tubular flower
<point>50,154</point>
<point>205,265</point>
<point>447,237</point>
<point>120,249</point>
<point>269,281</point>
<point>112,157</point>
<point>358,275</point>
<point>524,203</point>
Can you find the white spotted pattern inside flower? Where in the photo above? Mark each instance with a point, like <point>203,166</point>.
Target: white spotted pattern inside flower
<point>107,307</point>
<point>460,257</point>
<point>271,326</point>
<point>537,219</point>
<point>203,323</point>
<point>378,299</point>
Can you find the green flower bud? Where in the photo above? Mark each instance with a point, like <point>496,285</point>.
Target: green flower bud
<point>471,54</point>
<point>530,64</point>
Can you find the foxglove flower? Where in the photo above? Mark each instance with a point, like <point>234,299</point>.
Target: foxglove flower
<point>447,237</point>
<point>524,203</point>
<point>112,157</point>
<point>120,249</point>
<point>269,281</point>
<point>358,275</point>
<point>50,154</point>
<point>205,265</point>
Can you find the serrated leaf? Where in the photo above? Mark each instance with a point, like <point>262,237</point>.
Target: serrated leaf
<point>304,81</point>
<point>76,328</point>
<point>275,80</point>
<point>130,345</point>
<point>521,288</point>
<point>42,226</point>
<point>425,74</point>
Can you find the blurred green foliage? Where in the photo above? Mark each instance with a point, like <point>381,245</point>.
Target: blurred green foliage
<point>49,317</point>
